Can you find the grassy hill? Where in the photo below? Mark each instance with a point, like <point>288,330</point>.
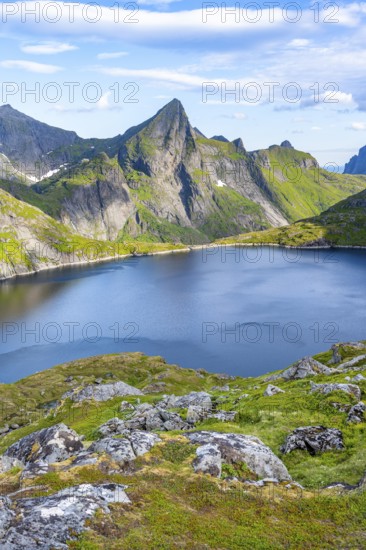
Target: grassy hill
<point>172,507</point>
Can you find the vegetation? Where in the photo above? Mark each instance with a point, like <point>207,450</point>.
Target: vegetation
<point>173,507</point>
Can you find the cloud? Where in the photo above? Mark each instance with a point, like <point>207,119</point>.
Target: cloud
<point>315,128</point>
<point>159,75</point>
<point>358,126</point>
<point>103,104</point>
<point>47,48</point>
<point>299,43</point>
<point>111,55</point>
<point>30,66</point>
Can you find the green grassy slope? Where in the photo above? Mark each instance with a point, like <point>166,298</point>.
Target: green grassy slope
<point>344,224</point>
<point>171,506</point>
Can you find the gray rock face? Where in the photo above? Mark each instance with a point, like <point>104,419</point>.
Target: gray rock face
<point>102,392</point>
<point>115,426</point>
<point>303,368</point>
<point>35,469</point>
<point>125,449</point>
<point>237,448</point>
<point>351,389</point>
<point>224,416</point>
<point>272,390</point>
<point>196,398</point>
<point>49,445</point>
<point>6,516</point>
<point>314,439</point>
<point>208,460</point>
<point>196,414</point>
<point>356,414</point>
<point>352,362</point>
<point>358,378</point>
<point>49,522</point>
<point>149,418</point>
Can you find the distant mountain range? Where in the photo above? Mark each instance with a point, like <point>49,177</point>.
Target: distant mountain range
<point>162,181</point>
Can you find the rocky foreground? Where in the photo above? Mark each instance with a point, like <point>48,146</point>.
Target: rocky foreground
<point>125,451</point>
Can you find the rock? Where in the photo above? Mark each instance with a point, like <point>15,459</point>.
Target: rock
<point>50,445</point>
<point>208,460</point>
<point>196,414</point>
<point>352,362</point>
<point>35,469</point>
<point>142,442</point>
<point>314,439</point>
<point>220,388</point>
<point>336,358</point>
<point>85,458</point>
<point>102,392</point>
<point>126,406</point>
<point>120,449</point>
<point>125,449</point>
<point>303,368</point>
<point>14,426</point>
<point>69,379</point>
<point>5,429</point>
<point>224,416</point>
<point>348,379</point>
<point>49,522</point>
<point>98,381</point>
<point>341,407</point>
<point>356,413</point>
<point>149,418</point>
<point>156,387</point>
<point>6,515</point>
<point>358,378</point>
<point>325,389</point>
<point>201,399</point>
<point>224,376</point>
<point>238,448</point>
<point>115,426</point>
<point>272,390</point>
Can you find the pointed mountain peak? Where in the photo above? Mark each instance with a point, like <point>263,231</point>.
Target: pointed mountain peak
<point>239,144</point>
<point>220,138</point>
<point>287,144</point>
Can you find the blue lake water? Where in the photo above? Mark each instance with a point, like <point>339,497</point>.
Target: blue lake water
<point>245,311</point>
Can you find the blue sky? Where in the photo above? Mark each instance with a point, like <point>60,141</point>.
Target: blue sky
<point>98,70</point>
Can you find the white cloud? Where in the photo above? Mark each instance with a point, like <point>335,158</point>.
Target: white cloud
<point>299,43</point>
<point>358,126</point>
<point>159,75</point>
<point>316,128</point>
<point>239,116</point>
<point>47,48</point>
<point>111,55</point>
<point>30,66</point>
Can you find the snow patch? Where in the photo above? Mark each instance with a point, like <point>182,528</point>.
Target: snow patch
<point>221,184</point>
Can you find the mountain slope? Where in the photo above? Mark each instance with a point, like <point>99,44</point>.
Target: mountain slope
<point>357,164</point>
<point>30,241</point>
<point>344,224</point>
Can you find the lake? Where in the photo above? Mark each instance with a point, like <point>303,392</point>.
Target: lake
<point>244,311</point>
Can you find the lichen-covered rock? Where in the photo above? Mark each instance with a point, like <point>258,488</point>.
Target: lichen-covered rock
<point>149,418</point>
<point>125,449</point>
<point>197,398</point>
<point>224,416</point>
<point>50,445</point>
<point>208,460</point>
<point>272,390</point>
<point>352,362</point>
<point>325,389</point>
<point>50,522</point>
<point>303,368</point>
<point>6,515</point>
<point>314,439</point>
<point>358,378</point>
<point>102,392</point>
<point>115,426</point>
<point>196,414</point>
<point>356,414</point>
<point>35,469</point>
<point>238,448</point>
<point>126,406</point>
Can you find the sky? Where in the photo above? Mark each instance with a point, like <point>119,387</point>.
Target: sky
<point>263,71</point>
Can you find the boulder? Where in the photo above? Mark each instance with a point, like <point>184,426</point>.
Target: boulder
<point>356,414</point>
<point>6,516</point>
<point>336,356</point>
<point>238,448</point>
<point>126,406</point>
<point>358,378</point>
<point>195,414</point>
<point>272,390</point>
<point>125,449</point>
<point>35,469</point>
<point>198,398</point>
<point>149,418</point>
<point>325,389</point>
<point>120,450</point>
<point>50,522</point>
<point>314,439</point>
<point>102,392</point>
<point>208,460</point>
<point>115,426</point>
<point>50,445</point>
<point>224,416</point>
<point>303,368</point>
<point>352,362</point>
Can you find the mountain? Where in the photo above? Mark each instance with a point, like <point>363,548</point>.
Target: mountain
<point>162,180</point>
<point>31,241</point>
<point>344,224</point>
<point>357,164</point>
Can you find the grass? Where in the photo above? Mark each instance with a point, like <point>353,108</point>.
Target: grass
<point>171,506</point>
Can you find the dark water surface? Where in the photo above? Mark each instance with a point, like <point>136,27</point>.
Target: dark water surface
<point>241,311</point>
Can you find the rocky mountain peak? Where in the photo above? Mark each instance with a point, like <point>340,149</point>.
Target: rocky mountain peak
<point>287,144</point>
